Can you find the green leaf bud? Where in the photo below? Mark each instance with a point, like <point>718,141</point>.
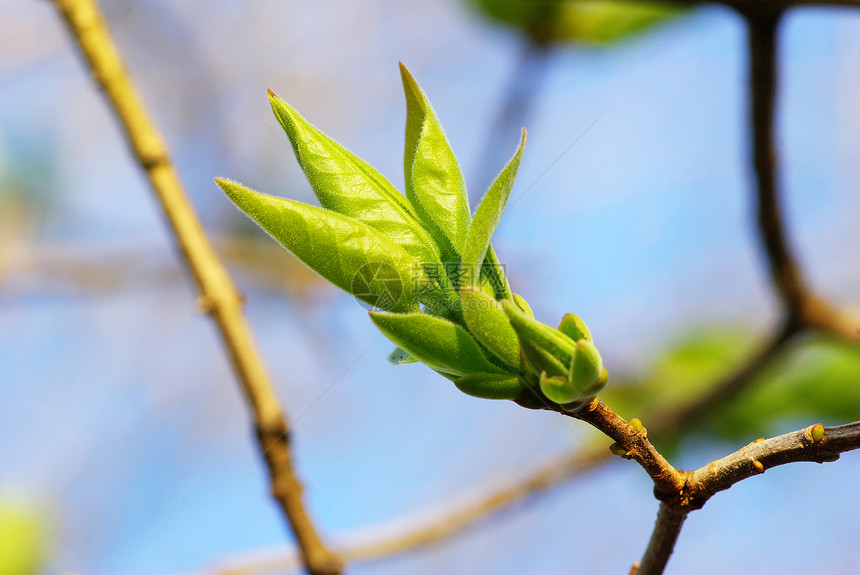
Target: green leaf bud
<point>574,328</point>
<point>544,348</point>
<point>586,369</point>
<point>558,389</point>
<point>814,433</point>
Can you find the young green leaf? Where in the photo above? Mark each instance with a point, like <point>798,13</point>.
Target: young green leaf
<point>487,217</point>
<point>574,328</point>
<point>434,182</point>
<point>438,343</point>
<point>490,385</point>
<point>350,254</point>
<point>346,184</point>
<point>489,323</point>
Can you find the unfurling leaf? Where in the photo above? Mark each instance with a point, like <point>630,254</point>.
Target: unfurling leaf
<point>434,182</point>
<point>438,343</point>
<point>491,385</point>
<point>350,254</point>
<point>487,217</point>
<point>423,260</point>
<point>346,184</point>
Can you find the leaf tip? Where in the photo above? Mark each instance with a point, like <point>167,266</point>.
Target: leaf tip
<point>405,74</point>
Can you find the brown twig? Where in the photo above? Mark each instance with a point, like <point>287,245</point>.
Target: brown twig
<point>218,295</point>
<point>631,442</point>
<point>768,4</point>
<point>670,519</point>
<point>784,271</point>
<point>815,443</point>
<point>802,307</point>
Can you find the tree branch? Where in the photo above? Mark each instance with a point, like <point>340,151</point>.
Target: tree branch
<point>802,307</point>
<point>670,519</point>
<point>768,4</point>
<point>784,271</point>
<point>632,443</point>
<point>218,295</point>
<point>815,443</point>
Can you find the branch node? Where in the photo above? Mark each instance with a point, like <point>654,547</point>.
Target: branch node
<point>205,305</point>
<point>636,424</point>
<point>814,433</point>
<point>616,449</point>
<point>712,469</point>
<point>150,161</point>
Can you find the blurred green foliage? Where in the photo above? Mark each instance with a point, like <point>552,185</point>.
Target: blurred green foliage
<point>590,22</point>
<point>816,379</point>
<point>23,539</point>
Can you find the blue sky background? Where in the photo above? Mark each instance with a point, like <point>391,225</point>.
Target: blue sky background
<point>120,417</point>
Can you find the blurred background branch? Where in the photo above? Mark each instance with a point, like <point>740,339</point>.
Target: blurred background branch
<point>218,295</point>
